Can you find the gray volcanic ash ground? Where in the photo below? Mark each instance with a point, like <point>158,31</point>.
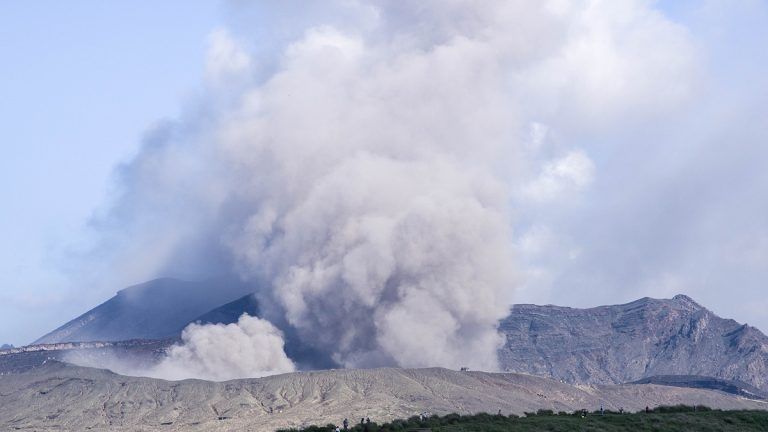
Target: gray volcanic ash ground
<point>57,397</point>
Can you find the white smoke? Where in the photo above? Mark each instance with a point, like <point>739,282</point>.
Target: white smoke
<point>384,235</point>
<point>366,182</point>
<point>389,262</point>
<point>252,347</point>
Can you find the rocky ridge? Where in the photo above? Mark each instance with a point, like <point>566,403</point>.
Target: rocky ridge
<point>602,345</point>
<point>625,343</point>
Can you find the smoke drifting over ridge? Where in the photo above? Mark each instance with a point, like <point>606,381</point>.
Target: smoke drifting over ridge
<point>364,180</point>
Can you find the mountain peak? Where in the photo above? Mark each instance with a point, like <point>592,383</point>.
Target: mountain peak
<point>687,301</point>
<point>156,309</point>
<point>624,343</point>
<point>683,297</point>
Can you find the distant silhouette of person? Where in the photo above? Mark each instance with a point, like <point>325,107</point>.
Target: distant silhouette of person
<point>346,424</point>
<point>647,410</point>
<point>367,420</point>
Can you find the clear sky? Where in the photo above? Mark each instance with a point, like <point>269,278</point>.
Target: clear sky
<point>80,82</point>
<point>641,170</point>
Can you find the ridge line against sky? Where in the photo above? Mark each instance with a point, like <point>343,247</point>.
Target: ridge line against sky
<point>639,156</point>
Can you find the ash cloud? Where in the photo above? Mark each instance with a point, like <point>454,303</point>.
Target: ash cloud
<point>251,347</point>
<point>365,176</point>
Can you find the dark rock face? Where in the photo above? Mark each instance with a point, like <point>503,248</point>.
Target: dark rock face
<point>625,343</point>
<point>692,381</point>
<point>230,312</point>
<point>304,356</point>
<point>157,309</point>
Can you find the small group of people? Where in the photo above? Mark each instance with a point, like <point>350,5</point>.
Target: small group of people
<point>364,422</point>
<point>602,411</point>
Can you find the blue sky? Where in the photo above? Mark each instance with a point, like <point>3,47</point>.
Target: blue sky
<point>649,181</point>
<point>81,82</point>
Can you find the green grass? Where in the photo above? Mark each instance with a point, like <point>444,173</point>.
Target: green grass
<point>667,419</point>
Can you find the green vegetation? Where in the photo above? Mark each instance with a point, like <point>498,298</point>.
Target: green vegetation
<point>672,419</point>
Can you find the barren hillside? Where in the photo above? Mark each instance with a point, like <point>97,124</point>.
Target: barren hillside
<point>59,396</point>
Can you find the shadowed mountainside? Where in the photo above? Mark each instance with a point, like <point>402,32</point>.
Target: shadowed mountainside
<point>229,313</point>
<point>734,387</point>
<point>157,309</point>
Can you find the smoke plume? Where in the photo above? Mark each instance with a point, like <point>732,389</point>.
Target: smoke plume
<point>252,347</point>
<point>363,178</point>
<point>249,348</point>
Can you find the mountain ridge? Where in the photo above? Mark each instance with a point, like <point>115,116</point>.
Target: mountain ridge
<point>624,343</point>
<point>155,309</point>
<point>609,344</point>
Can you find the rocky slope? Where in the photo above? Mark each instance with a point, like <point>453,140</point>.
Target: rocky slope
<point>624,343</point>
<point>153,310</point>
<point>61,397</point>
<point>603,345</point>
<point>229,313</point>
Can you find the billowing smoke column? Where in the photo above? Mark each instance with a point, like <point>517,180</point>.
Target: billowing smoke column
<point>364,182</point>
<point>385,262</point>
<point>377,221</point>
<point>252,347</point>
